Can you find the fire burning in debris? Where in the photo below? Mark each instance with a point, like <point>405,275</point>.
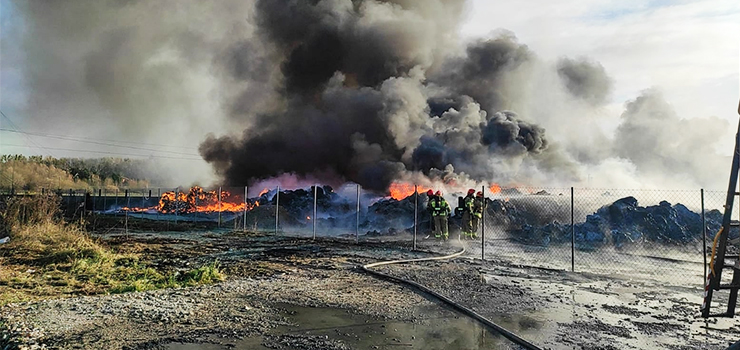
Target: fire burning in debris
<point>263,192</point>
<point>198,200</point>
<point>495,188</point>
<point>137,210</point>
<point>400,190</point>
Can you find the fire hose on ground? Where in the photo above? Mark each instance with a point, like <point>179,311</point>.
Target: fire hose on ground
<point>462,309</point>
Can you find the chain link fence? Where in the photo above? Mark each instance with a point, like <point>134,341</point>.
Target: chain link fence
<point>645,233</point>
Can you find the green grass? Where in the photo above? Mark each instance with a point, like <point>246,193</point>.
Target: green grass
<point>48,258</point>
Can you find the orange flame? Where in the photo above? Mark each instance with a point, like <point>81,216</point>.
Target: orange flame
<point>198,200</point>
<point>399,191</point>
<point>495,188</point>
<point>308,218</point>
<point>263,192</point>
<point>137,210</point>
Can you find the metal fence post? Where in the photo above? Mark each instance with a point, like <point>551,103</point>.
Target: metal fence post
<point>357,220</point>
<point>703,236</point>
<point>483,226</point>
<point>246,202</point>
<point>159,197</point>
<point>416,208</point>
<point>277,210</point>
<point>177,189</point>
<point>128,207</point>
<point>572,233</point>
<point>315,196</point>
<point>219,207</point>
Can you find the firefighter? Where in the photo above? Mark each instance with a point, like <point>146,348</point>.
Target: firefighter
<point>478,204</point>
<point>440,211</point>
<point>467,218</point>
<point>430,197</point>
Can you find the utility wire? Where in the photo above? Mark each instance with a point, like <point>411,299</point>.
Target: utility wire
<point>98,143</point>
<point>114,153</point>
<point>27,136</point>
<point>81,139</point>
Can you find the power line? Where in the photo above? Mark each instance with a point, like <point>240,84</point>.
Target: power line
<point>82,139</point>
<point>114,153</point>
<point>28,137</point>
<point>97,143</point>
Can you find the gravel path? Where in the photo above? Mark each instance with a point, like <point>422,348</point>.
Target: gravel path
<point>236,308</point>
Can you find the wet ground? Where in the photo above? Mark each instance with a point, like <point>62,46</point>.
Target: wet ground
<point>437,329</point>
<point>296,293</point>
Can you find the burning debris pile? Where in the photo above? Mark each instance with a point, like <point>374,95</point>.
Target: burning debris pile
<point>198,200</point>
<point>536,218</point>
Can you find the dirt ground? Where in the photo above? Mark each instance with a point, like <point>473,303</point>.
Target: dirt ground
<point>296,293</point>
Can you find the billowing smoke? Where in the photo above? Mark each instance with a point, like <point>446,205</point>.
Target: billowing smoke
<point>368,91</point>
<point>375,90</point>
<point>136,71</point>
<point>686,146</point>
<point>585,80</point>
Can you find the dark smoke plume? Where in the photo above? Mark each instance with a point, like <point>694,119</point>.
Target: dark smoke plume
<point>585,79</point>
<point>369,92</point>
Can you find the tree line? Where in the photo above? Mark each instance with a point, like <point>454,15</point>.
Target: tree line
<point>36,172</point>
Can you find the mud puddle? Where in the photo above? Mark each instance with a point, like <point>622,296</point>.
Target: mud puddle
<point>434,328</point>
